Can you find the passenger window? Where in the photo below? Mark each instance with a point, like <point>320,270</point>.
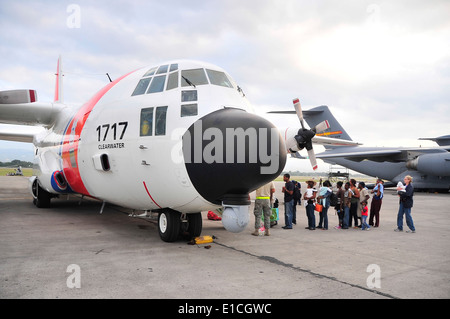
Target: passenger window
<point>189,110</point>
<point>157,84</point>
<point>219,78</point>
<point>160,120</point>
<point>188,96</point>
<point>172,81</point>
<point>141,87</point>
<point>193,77</point>
<point>146,127</point>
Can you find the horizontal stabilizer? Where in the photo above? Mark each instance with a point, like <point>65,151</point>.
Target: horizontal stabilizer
<point>331,141</point>
<point>36,113</point>
<point>18,96</point>
<point>17,136</point>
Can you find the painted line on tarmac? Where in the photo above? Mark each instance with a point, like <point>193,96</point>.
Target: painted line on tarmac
<point>275,261</point>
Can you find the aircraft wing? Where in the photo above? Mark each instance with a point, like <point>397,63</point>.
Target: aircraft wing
<point>378,154</point>
<point>21,109</point>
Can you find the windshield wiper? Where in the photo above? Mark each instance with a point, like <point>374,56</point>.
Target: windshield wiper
<point>188,82</point>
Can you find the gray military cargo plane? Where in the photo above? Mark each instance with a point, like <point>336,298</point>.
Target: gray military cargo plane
<point>429,166</point>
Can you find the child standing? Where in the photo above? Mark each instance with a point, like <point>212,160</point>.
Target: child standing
<point>364,214</point>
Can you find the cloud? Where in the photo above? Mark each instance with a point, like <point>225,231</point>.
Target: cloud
<point>376,64</point>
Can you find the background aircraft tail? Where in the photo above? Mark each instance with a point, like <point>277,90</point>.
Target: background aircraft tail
<point>318,114</point>
<point>441,140</point>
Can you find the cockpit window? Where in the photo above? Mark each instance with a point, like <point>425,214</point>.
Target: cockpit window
<point>150,72</point>
<point>154,80</point>
<point>172,81</point>
<point>160,120</point>
<point>219,78</point>
<point>146,122</point>
<point>162,69</point>
<point>141,87</point>
<point>157,84</point>
<point>189,110</point>
<point>193,77</point>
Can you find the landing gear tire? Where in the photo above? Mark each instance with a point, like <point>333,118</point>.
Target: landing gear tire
<point>41,196</point>
<point>169,223</point>
<point>195,224</point>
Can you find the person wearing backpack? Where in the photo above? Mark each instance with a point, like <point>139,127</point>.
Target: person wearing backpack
<point>297,200</point>
<point>339,207</point>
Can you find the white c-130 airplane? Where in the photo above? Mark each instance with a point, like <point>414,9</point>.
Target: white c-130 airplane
<point>178,138</point>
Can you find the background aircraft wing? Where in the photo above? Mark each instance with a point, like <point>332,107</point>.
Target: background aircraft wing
<point>379,154</point>
<point>360,155</point>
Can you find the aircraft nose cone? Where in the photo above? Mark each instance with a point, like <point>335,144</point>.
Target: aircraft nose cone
<point>229,153</point>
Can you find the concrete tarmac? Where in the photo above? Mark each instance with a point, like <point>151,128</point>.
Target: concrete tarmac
<point>48,253</point>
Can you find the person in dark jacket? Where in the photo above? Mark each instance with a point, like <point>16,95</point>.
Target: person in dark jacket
<point>406,203</point>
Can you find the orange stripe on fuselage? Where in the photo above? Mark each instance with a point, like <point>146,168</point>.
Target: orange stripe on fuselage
<point>69,153</point>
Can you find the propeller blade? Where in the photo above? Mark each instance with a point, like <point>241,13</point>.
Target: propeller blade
<point>312,159</point>
<point>298,110</point>
<point>322,126</point>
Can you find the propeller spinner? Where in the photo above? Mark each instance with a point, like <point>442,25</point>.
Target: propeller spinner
<point>304,136</point>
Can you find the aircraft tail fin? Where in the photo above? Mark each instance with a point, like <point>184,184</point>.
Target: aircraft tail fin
<point>20,107</point>
<point>59,84</point>
<point>319,114</point>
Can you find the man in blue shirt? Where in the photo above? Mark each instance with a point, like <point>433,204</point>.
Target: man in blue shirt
<point>288,190</point>
<point>375,206</point>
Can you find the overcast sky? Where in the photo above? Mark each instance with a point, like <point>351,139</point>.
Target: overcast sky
<point>383,67</point>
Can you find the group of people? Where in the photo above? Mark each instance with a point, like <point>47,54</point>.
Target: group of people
<point>350,202</point>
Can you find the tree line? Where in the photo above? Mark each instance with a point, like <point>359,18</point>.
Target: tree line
<point>15,163</point>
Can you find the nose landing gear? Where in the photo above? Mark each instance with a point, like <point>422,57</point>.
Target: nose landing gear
<point>173,224</point>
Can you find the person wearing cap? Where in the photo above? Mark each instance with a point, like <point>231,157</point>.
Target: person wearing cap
<point>262,206</point>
